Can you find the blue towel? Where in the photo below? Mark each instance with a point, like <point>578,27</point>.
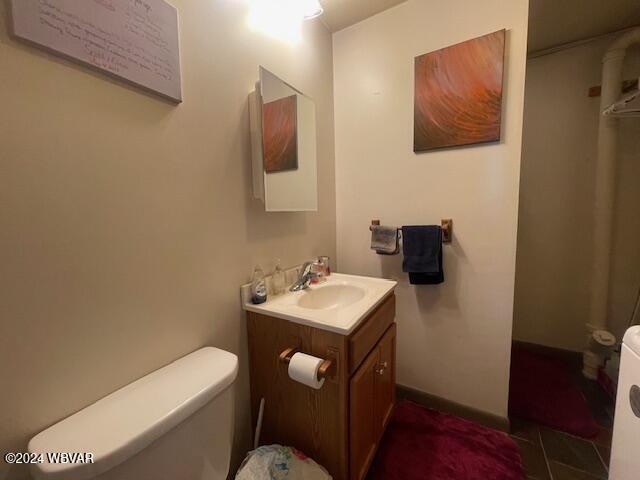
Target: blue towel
<point>422,250</point>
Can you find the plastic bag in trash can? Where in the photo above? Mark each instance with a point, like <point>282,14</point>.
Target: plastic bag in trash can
<point>275,462</point>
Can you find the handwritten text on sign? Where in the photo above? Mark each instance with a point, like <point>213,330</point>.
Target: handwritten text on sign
<point>133,39</point>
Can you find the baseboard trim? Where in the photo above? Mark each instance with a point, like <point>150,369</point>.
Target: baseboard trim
<point>575,358</point>
<point>447,406</point>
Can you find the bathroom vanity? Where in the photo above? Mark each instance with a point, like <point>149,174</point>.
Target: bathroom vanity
<point>349,321</point>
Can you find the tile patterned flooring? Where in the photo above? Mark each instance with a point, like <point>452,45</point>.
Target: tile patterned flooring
<point>551,455</point>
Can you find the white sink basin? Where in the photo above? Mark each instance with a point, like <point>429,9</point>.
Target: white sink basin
<point>330,296</point>
<point>338,304</point>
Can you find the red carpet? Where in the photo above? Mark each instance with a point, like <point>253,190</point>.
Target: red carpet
<point>422,444</point>
<point>541,391</point>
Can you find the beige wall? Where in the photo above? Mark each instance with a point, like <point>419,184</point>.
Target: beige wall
<point>127,223</point>
<point>453,339</point>
<point>553,275</point>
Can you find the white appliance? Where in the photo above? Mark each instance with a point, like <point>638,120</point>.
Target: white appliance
<point>625,452</point>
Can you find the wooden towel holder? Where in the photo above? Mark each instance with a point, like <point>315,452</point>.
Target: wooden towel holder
<point>323,370</point>
<point>446,225</point>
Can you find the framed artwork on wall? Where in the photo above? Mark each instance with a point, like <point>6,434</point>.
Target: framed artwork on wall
<point>458,94</point>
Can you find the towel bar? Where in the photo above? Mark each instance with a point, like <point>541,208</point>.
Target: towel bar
<point>323,370</point>
<point>446,225</point>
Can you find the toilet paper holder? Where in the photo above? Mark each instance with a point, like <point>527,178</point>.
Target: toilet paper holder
<point>324,371</point>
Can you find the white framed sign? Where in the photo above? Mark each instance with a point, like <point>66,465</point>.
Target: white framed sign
<point>136,40</point>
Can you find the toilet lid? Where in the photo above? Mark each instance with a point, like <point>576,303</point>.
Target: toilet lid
<point>125,422</point>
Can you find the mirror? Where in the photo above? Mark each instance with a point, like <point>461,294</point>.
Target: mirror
<point>283,134</point>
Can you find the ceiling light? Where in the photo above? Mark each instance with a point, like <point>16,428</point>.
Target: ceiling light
<point>281,19</point>
<point>312,9</point>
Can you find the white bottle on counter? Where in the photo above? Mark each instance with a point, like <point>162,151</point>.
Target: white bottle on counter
<point>258,286</point>
<point>278,279</point>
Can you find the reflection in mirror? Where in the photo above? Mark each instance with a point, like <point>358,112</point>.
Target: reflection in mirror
<point>280,135</point>
<point>283,130</point>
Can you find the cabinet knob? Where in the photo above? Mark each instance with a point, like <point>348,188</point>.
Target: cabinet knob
<point>382,367</point>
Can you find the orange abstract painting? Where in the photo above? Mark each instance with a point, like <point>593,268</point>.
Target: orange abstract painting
<point>458,94</point>
<point>279,135</point>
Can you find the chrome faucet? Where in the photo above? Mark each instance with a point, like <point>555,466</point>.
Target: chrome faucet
<point>304,278</point>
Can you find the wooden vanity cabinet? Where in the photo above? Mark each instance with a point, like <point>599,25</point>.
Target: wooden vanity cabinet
<point>341,424</point>
<point>371,401</point>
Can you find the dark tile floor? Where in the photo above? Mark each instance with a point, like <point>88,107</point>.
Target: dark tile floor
<point>551,455</point>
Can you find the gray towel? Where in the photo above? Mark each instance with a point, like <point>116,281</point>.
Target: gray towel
<point>384,240</point>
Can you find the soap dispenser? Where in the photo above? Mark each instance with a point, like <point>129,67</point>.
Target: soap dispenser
<point>278,279</point>
<point>258,286</point>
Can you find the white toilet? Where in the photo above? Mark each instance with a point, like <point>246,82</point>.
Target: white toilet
<point>175,423</point>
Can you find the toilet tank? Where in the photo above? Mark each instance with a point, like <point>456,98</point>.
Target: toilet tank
<point>175,423</point>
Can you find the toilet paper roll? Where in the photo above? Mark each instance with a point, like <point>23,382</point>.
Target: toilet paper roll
<point>303,368</point>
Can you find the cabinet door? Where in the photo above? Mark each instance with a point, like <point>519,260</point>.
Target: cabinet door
<point>385,396</point>
<point>364,427</point>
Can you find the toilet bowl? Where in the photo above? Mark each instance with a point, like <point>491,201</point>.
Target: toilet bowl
<point>175,423</point>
